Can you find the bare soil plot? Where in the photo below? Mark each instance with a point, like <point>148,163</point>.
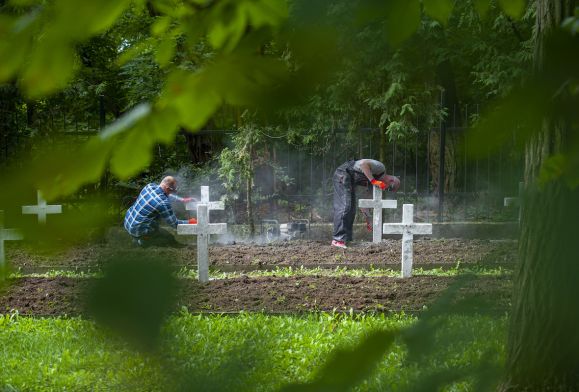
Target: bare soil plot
<point>286,253</point>
<point>61,295</point>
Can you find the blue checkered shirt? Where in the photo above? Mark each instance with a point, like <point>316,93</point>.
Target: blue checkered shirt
<point>152,204</point>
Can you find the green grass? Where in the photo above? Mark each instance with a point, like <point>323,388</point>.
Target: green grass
<point>245,352</point>
<point>343,271</point>
<point>302,271</point>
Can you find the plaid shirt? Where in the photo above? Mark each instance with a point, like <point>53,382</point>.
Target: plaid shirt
<point>151,204</point>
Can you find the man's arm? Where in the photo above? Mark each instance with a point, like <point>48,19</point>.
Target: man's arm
<point>366,169</point>
<point>168,215</point>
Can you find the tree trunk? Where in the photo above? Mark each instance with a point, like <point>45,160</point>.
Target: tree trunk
<point>543,345</point>
<point>382,147</point>
<point>449,162</point>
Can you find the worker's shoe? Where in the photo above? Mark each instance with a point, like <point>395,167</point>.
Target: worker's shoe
<point>339,244</point>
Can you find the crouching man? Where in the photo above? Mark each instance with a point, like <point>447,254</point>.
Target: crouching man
<point>153,204</point>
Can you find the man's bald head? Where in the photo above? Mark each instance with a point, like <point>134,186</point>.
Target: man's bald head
<point>169,184</point>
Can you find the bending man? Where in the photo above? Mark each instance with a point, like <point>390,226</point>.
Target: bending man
<point>153,203</point>
<point>363,172</point>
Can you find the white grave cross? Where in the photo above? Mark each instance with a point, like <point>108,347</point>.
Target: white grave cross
<point>42,209</point>
<point>6,235</point>
<point>408,228</point>
<point>202,229</point>
<point>211,205</point>
<point>377,203</point>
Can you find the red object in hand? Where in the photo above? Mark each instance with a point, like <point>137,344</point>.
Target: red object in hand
<point>378,184</point>
<point>187,199</point>
<point>192,221</point>
<point>368,226</point>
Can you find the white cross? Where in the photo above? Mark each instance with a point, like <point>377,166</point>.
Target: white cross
<point>212,205</point>
<point>202,229</point>
<point>408,229</point>
<point>6,235</point>
<point>42,209</point>
<point>377,203</point>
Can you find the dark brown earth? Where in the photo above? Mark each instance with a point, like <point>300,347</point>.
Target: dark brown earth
<point>66,296</point>
<point>60,295</point>
<point>294,253</point>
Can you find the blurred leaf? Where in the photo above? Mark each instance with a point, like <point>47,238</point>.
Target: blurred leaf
<point>161,25</point>
<point>134,51</point>
<point>133,298</point>
<point>553,169</point>
<point>231,19</point>
<point>193,96</point>
<point>50,68</point>
<point>513,8</point>
<point>482,7</point>
<point>348,367</point>
<point>165,52</point>
<point>24,3</point>
<point>127,121</point>
<point>252,78</point>
<point>438,9</point>
<point>133,153</point>
<point>514,118</point>
<point>13,54</point>
<point>163,125</point>
<point>56,175</point>
<point>80,20</point>
<point>167,7</point>
<point>401,17</point>
<point>74,226</point>
<point>402,20</point>
<point>228,25</point>
<point>264,13</point>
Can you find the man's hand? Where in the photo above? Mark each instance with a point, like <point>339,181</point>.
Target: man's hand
<point>379,184</point>
<point>368,225</point>
<point>188,199</point>
<point>192,221</point>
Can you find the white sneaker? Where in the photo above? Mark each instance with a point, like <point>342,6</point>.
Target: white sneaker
<point>339,244</point>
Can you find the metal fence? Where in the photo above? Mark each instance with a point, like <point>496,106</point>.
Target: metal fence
<point>475,189</point>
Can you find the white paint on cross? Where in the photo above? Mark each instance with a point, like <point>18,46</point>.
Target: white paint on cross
<point>6,235</point>
<point>408,228</point>
<point>202,229</point>
<point>42,209</point>
<point>211,205</point>
<point>377,204</point>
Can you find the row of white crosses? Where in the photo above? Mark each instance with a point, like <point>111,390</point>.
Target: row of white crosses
<point>203,229</point>
<point>408,228</point>
<point>41,210</point>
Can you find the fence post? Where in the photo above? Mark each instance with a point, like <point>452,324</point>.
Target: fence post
<point>102,117</point>
<point>441,168</point>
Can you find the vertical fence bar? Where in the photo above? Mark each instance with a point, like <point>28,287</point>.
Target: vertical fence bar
<point>417,199</point>
<point>371,139</point>
<point>428,163</point>
<point>102,114</point>
<point>405,177</point>
<point>393,155</point>
<point>465,163</point>
<point>442,126</point>
<point>312,193</point>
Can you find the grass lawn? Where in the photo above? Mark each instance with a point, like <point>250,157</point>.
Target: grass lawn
<point>253,352</point>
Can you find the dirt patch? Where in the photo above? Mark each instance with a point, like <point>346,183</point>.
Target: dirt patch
<point>301,252</point>
<point>60,296</point>
<point>294,253</point>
